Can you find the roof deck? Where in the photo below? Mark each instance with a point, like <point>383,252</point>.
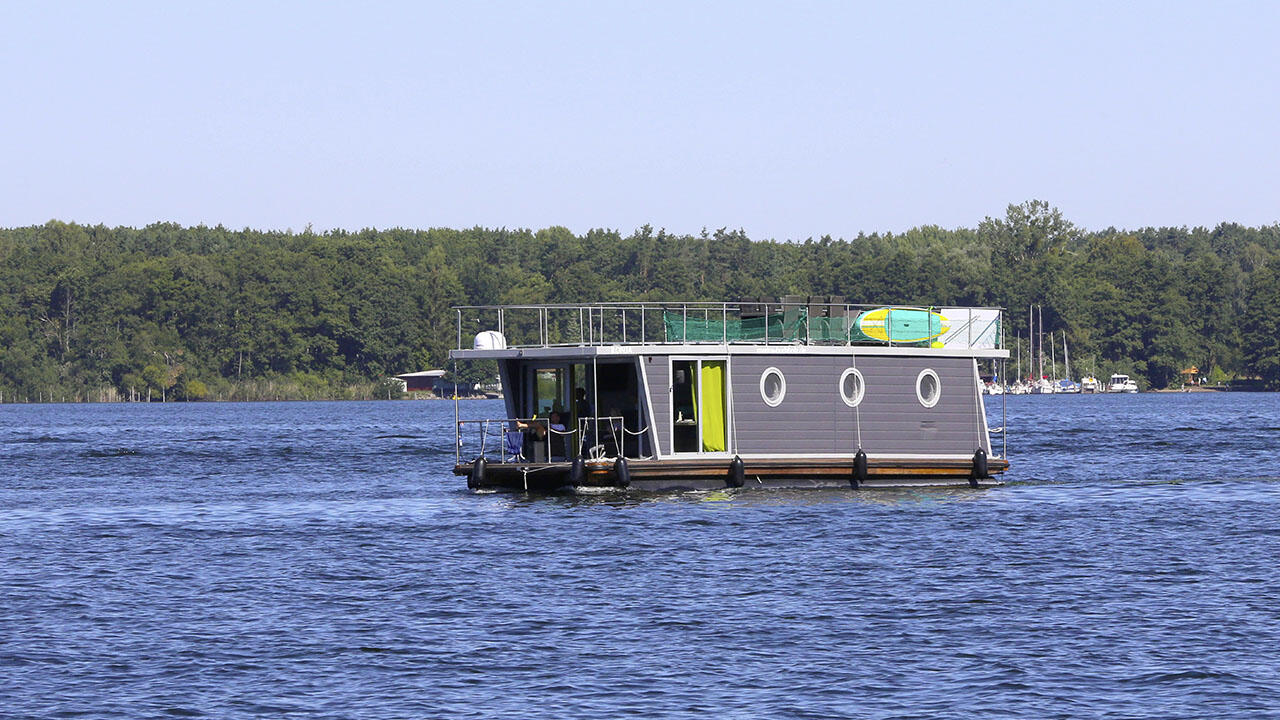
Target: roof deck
<point>490,330</point>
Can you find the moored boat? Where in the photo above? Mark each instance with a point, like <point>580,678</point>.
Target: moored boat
<point>659,396</point>
<point>1122,384</point>
<point>1066,386</point>
<point>1020,388</point>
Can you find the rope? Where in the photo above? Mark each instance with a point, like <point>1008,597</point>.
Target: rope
<point>857,409</point>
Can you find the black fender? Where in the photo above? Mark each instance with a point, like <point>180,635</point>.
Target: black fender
<point>859,469</point>
<point>622,472</point>
<point>979,468</point>
<point>737,473</point>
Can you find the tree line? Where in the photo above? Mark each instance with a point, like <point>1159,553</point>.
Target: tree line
<point>174,312</point>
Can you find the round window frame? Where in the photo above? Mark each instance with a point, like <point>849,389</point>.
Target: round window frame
<point>856,400</point>
<point>937,383</point>
<point>782,387</point>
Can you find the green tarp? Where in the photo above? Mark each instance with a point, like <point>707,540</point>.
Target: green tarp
<point>696,327</point>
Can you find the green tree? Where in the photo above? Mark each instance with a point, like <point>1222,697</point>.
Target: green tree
<point>1261,326</point>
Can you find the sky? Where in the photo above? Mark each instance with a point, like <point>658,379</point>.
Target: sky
<point>788,120</point>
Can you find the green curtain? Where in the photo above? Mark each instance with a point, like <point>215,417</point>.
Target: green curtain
<point>712,410</point>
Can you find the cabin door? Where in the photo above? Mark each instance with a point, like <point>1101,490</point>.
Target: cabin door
<point>699,406</point>
<point>548,389</point>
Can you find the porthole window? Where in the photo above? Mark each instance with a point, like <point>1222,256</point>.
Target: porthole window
<point>773,387</point>
<point>851,387</point>
<point>928,388</point>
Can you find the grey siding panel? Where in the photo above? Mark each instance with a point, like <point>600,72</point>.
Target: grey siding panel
<point>658,370</point>
<point>508,374</point>
<point>813,417</point>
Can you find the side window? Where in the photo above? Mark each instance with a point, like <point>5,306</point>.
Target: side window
<point>773,387</point>
<point>852,387</point>
<point>928,388</point>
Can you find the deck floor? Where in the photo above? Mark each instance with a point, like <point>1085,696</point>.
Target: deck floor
<point>714,473</point>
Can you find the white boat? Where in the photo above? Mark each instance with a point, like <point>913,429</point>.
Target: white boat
<point>1090,384</point>
<point>1066,385</point>
<point>1122,384</point>
<point>1041,385</point>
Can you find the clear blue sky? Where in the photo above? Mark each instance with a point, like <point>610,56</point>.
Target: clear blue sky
<point>787,119</point>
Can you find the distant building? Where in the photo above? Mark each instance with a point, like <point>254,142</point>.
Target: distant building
<point>426,381</point>
<point>1191,376</point>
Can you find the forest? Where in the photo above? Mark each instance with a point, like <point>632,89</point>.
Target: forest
<point>167,312</point>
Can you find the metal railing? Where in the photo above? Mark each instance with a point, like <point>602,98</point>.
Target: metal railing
<point>665,323</point>
<point>533,440</point>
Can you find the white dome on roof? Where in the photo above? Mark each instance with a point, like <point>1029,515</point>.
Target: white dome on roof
<point>490,340</point>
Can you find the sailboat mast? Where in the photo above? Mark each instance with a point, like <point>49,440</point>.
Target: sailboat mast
<point>1053,360</point>
<point>1040,370</point>
<point>1066,358</point>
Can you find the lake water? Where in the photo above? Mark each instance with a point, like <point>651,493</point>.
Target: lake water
<point>320,560</point>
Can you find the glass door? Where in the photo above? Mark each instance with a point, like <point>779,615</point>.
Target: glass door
<point>548,390</point>
<point>699,406</point>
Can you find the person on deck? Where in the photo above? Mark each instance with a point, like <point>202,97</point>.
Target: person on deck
<point>581,407</point>
<point>539,441</point>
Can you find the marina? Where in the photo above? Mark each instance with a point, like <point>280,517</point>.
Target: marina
<point>790,393</point>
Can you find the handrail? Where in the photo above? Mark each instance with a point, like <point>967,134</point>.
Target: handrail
<point>551,325</point>
<point>599,427</point>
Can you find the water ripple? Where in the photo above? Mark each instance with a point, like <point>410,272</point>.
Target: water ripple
<point>320,560</point>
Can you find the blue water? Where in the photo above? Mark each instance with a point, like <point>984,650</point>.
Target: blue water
<point>319,560</point>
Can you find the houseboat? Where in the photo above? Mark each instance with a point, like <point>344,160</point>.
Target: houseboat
<point>800,392</point>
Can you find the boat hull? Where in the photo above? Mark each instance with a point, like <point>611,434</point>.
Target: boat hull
<point>716,473</point>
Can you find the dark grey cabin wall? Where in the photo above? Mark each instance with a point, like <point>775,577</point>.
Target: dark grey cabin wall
<point>657,369</point>
<point>814,419</point>
<point>512,388</point>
